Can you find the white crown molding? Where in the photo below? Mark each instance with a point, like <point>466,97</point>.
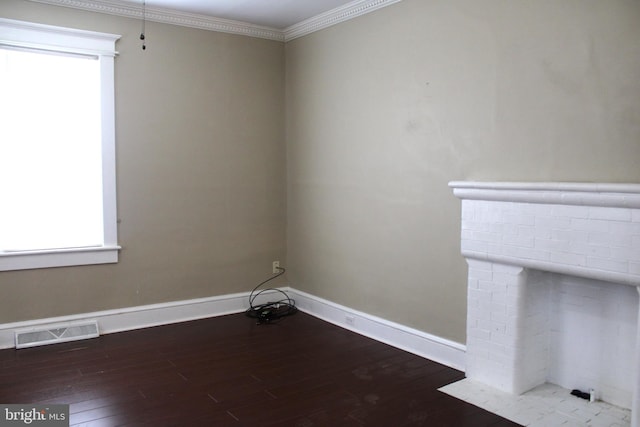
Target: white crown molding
<point>204,22</point>
<point>166,16</point>
<point>335,16</point>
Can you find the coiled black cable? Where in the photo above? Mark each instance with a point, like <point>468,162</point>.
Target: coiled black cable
<point>271,311</point>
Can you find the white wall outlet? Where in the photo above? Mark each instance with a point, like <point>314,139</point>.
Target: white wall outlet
<point>276,267</point>
<point>350,320</point>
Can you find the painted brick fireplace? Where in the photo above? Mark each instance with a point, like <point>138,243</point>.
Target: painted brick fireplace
<point>554,270</point>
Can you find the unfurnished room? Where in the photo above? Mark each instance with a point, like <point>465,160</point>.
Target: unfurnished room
<point>320,213</point>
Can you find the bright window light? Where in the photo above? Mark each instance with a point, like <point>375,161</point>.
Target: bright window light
<point>50,151</point>
<point>57,147</point>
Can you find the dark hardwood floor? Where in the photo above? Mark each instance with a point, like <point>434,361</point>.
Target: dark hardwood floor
<point>229,371</point>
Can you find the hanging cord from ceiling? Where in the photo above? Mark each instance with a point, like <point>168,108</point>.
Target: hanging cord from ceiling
<point>271,311</point>
<point>144,22</point>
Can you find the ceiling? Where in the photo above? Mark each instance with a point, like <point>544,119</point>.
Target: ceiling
<point>279,14</point>
<point>280,20</point>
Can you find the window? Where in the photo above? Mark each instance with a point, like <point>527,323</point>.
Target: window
<point>57,147</point>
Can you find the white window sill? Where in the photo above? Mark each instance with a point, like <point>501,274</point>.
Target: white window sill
<point>26,260</point>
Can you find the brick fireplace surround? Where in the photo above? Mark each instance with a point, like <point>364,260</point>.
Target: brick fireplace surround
<point>554,276</point>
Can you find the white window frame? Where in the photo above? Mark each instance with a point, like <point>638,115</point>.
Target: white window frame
<point>101,45</point>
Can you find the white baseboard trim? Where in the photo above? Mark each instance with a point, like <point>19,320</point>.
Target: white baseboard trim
<point>429,346</point>
<point>144,316</point>
<point>438,349</point>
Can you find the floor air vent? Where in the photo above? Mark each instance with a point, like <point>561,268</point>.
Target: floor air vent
<point>52,334</point>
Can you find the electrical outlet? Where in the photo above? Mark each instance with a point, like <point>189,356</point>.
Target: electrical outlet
<point>276,267</point>
<point>350,320</point>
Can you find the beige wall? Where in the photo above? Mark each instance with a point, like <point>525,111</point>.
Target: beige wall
<point>200,164</point>
<point>381,112</point>
<point>384,110</point>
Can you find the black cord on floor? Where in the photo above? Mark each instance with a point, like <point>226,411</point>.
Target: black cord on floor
<point>271,312</point>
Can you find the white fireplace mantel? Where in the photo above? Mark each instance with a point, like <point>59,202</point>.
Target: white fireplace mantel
<point>586,233</point>
<point>566,193</point>
<point>582,229</point>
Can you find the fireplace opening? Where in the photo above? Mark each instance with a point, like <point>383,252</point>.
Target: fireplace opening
<point>591,331</point>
